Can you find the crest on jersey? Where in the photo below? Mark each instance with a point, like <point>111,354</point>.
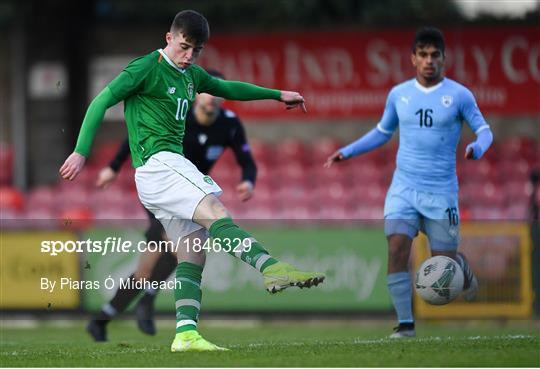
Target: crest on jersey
<point>208,180</point>
<point>190,90</point>
<point>202,138</point>
<point>447,100</point>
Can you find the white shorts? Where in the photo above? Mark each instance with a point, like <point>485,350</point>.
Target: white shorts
<point>171,187</point>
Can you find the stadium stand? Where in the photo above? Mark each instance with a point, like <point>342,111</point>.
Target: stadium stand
<point>6,163</point>
<point>292,184</point>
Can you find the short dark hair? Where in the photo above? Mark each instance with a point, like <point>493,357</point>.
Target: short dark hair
<point>193,26</point>
<point>428,36</point>
<point>215,73</point>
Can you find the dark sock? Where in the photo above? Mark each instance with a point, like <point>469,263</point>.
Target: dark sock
<point>406,325</point>
<point>165,265</point>
<point>102,317</point>
<point>148,297</point>
<point>122,299</point>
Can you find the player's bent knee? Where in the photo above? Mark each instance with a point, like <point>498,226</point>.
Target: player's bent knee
<point>399,241</point>
<point>209,210</point>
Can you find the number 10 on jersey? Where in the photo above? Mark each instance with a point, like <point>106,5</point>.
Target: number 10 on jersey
<point>182,109</point>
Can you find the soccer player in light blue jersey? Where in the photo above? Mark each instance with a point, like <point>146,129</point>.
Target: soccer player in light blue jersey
<point>429,110</point>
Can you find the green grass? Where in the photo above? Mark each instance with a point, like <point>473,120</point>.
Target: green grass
<point>285,344</point>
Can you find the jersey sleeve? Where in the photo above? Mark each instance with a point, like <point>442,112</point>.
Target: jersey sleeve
<point>130,80</point>
<point>204,81</point>
<point>389,121</point>
<point>120,157</point>
<point>370,141</point>
<point>233,90</point>
<point>471,113</point>
<point>92,120</point>
<point>242,152</point>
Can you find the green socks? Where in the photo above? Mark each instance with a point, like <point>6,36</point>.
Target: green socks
<point>242,244</point>
<point>188,297</point>
<point>189,275</point>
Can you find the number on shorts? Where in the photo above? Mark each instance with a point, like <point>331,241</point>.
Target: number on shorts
<point>453,217</point>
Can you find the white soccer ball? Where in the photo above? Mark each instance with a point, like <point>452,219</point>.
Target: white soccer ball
<point>439,280</point>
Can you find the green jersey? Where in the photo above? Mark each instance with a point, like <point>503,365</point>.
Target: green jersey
<point>157,96</point>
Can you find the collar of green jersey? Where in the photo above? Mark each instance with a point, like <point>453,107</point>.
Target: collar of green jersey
<point>170,61</point>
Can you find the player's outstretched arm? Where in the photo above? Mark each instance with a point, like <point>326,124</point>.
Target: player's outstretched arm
<point>108,174</point>
<point>245,160</point>
<point>337,156</point>
<point>244,190</point>
<point>475,150</point>
<point>368,142</point>
<point>72,166</point>
<point>121,156</point>
<point>293,100</point>
<point>243,91</point>
<point>378,136</point>
<point>473,116</point>
<point>92,120</point>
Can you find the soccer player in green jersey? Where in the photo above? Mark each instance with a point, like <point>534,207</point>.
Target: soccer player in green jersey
<point>158,90</point>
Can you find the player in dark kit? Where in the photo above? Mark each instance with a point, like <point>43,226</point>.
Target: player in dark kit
<point>210,130</point>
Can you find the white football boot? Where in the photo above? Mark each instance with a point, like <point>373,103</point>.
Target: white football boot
<point>404,330</point>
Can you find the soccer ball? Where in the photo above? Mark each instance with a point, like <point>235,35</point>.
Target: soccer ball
<point>439,280</point>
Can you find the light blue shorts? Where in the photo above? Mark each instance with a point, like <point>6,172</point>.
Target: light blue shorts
<point>407,211</point>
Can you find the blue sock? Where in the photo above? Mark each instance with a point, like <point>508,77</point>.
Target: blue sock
<point>399,285</point>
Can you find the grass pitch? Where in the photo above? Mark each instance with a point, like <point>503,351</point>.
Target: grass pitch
<point>283,344</point>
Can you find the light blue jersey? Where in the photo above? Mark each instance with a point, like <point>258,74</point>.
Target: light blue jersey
<point>424,191</point>
<point>429,121</point>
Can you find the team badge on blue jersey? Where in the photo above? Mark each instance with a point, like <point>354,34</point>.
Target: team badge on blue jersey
<point>447,100</point>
